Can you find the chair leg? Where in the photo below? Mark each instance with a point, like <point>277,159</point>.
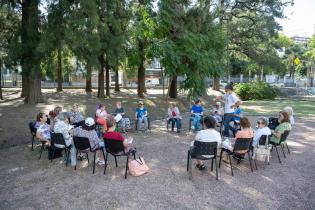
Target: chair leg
<point>105,163</point>
<point>189,125</point>
<point>281,145</point>
<point>116,161</point>
<point>94,162</point>
<point>255,164</point>
<point>126,166</point>
<point>190,168</point>
<point>87,157</point>
<point>53,154</point>
<point>231,165</point>
<point>278,154</point>
<point>216,168</point>
<point>134,155</point>
<point>221,153</point>
<point>41,150</point>
<point>287,147</point>
<point>212,164</point>
<point>250,162</point>
<point>188,154</point>
<point>33,143</point>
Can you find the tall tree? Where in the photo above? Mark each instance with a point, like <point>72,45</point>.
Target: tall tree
<point>30,59</point>
<point>141,39</point>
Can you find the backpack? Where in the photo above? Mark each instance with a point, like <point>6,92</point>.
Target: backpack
<point>273,123</point>
<point>137,167</point>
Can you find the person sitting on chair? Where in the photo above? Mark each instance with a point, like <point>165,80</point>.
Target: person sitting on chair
<point>124,122</point>
<point>197,113</point>
<point>101,115</point>
<point>236,120</point>
<point>218,112</point>
<point>43,129</point>
<point>87,130</point>
<point>173,116</point>
<point>62,126</point>
<point>261,130</point>
<point>142,116</point>
<point>207,135</point>
<point>76,118</point>
<point>284,125</point>
<point>112,134</point>
<point>289,110</point>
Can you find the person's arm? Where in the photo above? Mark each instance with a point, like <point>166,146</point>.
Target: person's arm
<point>236,100</point>
<point>136,115</point>
<point>39,135</point>
<point>145,113</point>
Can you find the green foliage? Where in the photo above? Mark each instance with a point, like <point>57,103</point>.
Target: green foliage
<point>256,91</point>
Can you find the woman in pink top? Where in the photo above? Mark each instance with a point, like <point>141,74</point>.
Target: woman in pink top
<point>101,116</point>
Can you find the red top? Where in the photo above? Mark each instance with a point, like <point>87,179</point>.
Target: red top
<point>114,136</point>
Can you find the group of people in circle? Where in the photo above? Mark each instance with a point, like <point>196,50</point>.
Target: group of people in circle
<point>73,123</point>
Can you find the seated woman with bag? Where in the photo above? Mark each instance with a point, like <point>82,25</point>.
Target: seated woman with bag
<point>284,125</point>
<point>43,129</point>
<point>261,130</point>
<point>173,116</point>
<point>101,115</point>
<point>124,122</point>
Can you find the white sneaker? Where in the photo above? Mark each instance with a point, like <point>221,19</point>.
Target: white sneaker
<point>193,127</point>
<point>101,162</point>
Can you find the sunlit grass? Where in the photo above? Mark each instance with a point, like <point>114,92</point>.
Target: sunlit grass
<point>271,107</point>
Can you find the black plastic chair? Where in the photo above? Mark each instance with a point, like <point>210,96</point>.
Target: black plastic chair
<point>82,144</point>
<point>282,142</point>
<point>32,128</point>
<point>116,149</point>
<point>57,138</point>
<point>203,151</point>
<point>240,144</point>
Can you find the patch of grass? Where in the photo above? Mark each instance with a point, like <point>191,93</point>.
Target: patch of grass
<point>272,107</point>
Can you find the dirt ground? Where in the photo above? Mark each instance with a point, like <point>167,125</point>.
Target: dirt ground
<point>29,183</point>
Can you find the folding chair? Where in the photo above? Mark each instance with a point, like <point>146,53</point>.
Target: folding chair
<point>57,139</point>
<point>116,149</point>
<point>82,144</point>
<point>203,151</point>
<point>282,142</point>
<point>32,128</point>
<point>240,144</point>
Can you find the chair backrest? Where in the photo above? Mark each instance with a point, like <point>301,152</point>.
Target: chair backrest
<point>81,143</point>
<point>113,146</point>
<point>242,144</point>
<point>205,148</point>
<point>57,138</point>
<point>284,136</point>
<point>264,139</point>
<point>32,128</point>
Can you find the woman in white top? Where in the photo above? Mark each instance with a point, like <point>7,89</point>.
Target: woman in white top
<point>207,135</point>
<point>261,130</point>
<point>218,112</point>
<point>173,116</point>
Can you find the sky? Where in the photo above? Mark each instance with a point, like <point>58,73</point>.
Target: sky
<point>300,19</point>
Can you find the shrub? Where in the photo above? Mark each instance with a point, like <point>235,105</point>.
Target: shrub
<point>257,91</point>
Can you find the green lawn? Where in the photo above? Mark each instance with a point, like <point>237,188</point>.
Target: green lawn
<point>271,107</point>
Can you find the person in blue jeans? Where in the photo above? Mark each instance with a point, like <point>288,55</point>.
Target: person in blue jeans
<point>173,116</point>
<point>231,101</point>
<point>236,120</point>
<point>142,116</point>
<point>196,115</point>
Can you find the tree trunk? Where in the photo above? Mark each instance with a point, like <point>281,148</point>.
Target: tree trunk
<point>107,67</point>
<point>30,59</point>
<point>117,89</point>
<point>141,71</point>
<point>100,92</point>
<point>34,91</point>
<point>1,98</point>
<point>216,84</point>
<point>88,87</point>
<point>173,87</point>
<point>59,71</point>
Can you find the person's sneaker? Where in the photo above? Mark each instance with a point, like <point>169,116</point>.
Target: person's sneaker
<point>193,127</point>
<point>101,162</point>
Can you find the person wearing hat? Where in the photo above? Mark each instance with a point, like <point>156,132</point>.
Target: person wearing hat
<point>87,130</point>
<point>218,112</point>
<point>231,101</point>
